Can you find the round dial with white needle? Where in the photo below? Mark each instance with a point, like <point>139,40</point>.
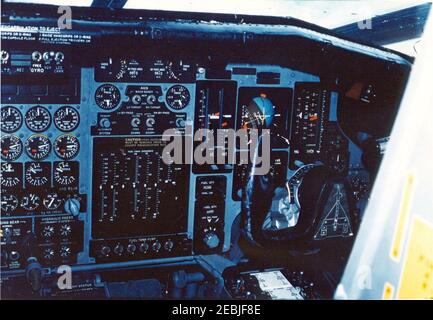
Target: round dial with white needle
<point>107,96</point>
<point>52,201</point>
<point>38,146</point>
<point>11,147</point>
<point>30,201</point>
<point>65,251</point>
<point>10,174</point>
<point>66,118</point>
<point>48,254</point>
<point>65,230</point>
<point>48,231</point>
<point>65,173</point>
<point>9,202</point>
<point>66,146</point>
<point>38,119</point>
<point>38,174</point>
<point>11,119</point>
<point>177,97</point>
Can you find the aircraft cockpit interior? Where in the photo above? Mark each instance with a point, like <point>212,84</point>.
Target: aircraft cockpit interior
<point>153,154</point>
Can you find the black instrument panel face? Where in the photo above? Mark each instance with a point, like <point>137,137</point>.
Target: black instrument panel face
<point>96,168</point>
<point>147,167</point>
<point>83,174</point>
<point>134,192</point>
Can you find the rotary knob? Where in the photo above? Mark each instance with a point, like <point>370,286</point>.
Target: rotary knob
<point>72,206</point>
<point>105,123</point>
<point>144,247</point>
<point>135,122</point>
<point>131,248</point>
<point>156,246</point>
<point>211,240</point>
<point>136,99</point>
<point>151,99</point>
<point>168,245</point>
<point>118,249</point>
<point>105,251</point>
<point>150,122</point>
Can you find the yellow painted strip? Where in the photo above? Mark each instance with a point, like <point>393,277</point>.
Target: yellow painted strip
<point>397,244</point>
<point>388,291</point>
<point>416,281</point>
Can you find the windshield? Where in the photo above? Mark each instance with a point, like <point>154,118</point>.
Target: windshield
<point>328,14</point>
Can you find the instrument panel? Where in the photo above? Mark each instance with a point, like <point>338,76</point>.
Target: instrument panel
<point>99,162</point>
<point>84,180</point>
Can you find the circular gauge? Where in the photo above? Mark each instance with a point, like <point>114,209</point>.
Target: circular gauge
<point>30,201</point>
<point>52,201</point>
<point>10,174</point>
<point>11,119</point>
<point>9,202</point>
<point>64,173</point>
<point>65,251</point>
<point>65,230</point>
<point>177,97</point>
<point>38,173</point>
<point>107,97</point>
<point>66,118</point>
<point>38,146</point>
<point>38,119</point>
<point>47,231</point>
<point>48,254</point>
<point>11,147</point>
<point>66,146</point>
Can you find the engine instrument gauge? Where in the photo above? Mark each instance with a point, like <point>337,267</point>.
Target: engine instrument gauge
<point>48,254</point>
<point>11,147</point>
<point>9,202</point>
<point>66,119</point>
<point>38,146</point>
<point>52,201</point>
<point>65,251</point>
<point>107,96</point>
<point>65,230</point>
<point>48,231</point>
<point>11,119</point>
<point>66,146</point>
<point>30,202</point>
<point>177,97</point>
<point>38,119</point>
<point>11,174</point>
<point>38,174</point>
<point>65,173</point>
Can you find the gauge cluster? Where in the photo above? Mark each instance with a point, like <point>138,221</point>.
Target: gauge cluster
<point>90,177</point>
<point>39,176</point>
<point>100,161</point>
